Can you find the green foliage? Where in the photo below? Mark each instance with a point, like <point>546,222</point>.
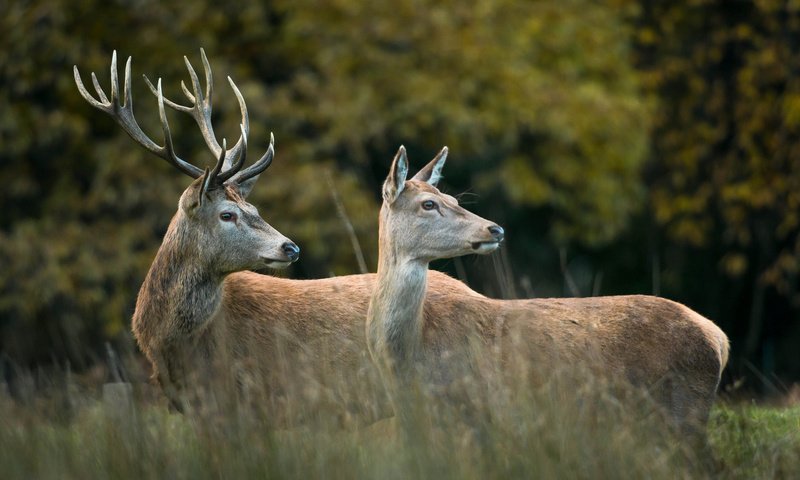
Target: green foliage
<point>533,98</point>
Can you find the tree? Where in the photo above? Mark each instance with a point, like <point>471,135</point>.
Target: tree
<point>724,176</point>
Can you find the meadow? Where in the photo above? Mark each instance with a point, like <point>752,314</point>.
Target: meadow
<point>62,428</point>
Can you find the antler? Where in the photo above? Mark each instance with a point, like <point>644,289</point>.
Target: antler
<point>123,114</point>
<point>200,110</point>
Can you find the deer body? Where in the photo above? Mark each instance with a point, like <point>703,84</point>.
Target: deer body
<point>201,315</point>
<point>649,341</point>
<point>289,335</point>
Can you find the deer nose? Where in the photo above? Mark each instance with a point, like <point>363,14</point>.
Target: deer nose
<point>291,250</point>
<point>497,232</point>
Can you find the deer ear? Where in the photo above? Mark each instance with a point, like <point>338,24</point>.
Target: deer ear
<point>246,186</point>
<point>432,172</point>
<point>396,180</point>
<point>193,197</point>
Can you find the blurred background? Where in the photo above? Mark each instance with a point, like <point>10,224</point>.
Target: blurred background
<point>626,147</point>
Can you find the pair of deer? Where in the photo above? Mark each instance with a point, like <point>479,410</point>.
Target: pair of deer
<point>199,303</point>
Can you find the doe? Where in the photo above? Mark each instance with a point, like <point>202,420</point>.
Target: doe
<point>649,341</point>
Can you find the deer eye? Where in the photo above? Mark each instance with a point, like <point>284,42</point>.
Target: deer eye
<point>428,205</point>
<point>227,216</point>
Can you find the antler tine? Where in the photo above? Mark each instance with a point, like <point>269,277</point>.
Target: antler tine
<point>187,92</point>
<point>201,108</point>
<point>198,92</point>
<point>103,104</point>
<point>85,93</point>
<point>167,101</point>
<point>220,161</point>
<point>241,144</point>
<point>262,164</point>
<point>98,88</point>
<point>127,94</point>
<point>203,105</point>
<point>114,79</point>
<point>122,113</point>
<point>205,185</point>
<point>209,79</point>
<point>211,178</point>
<point>240,159</point>
<point>242,106</point>
<point>168,151</point>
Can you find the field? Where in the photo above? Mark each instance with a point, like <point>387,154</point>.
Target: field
<point>552,431</point>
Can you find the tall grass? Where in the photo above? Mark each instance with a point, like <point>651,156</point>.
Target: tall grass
<point>319,424</point>
<point>556,429</point>
<point>566,426</point>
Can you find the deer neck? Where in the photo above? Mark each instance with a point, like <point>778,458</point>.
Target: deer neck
<point>395,317</point>
<point>181,292</point>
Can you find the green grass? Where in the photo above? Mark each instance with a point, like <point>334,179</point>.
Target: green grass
<point>554,432</point>
<point>757,442</point>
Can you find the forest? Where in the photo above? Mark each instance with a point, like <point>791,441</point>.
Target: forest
<point>625,146</point>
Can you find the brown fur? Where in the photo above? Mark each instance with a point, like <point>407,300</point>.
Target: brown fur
<point>288,320</point>
<point>649,341</point>
<point>193,322</point>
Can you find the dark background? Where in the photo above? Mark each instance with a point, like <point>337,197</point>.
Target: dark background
<point>625,147</point>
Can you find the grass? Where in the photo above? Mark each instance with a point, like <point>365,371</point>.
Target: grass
<point>757,441</point>
<point>551,431</point>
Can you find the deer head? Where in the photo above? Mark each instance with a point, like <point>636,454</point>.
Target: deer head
<point>225,230</point>
<point>420,222</point>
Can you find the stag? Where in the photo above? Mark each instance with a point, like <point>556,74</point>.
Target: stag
<point>214,233</point>
<point>201,313</point>
<point>652,342</point>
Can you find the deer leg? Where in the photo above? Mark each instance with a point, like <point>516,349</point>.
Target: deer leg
<point>166,376</point>
<point>690,409</point>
